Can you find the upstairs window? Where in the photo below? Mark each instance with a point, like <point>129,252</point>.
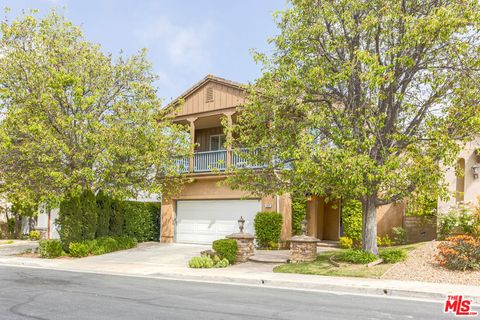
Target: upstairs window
<point>217,142</point>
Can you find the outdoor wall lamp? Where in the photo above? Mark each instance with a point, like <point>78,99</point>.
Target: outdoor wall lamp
<point>476,170</point>
<point>241,224</point>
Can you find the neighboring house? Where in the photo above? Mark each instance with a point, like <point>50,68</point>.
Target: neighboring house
<point>464,183</point>
<point>207,209</point>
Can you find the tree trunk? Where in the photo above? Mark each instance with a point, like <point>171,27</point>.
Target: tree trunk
<point>369,225</point>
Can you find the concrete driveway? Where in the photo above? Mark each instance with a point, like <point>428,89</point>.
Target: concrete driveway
<point>17,247</point>
<point>147,258</point>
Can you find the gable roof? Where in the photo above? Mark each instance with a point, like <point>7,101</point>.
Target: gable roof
<point>208,78</point>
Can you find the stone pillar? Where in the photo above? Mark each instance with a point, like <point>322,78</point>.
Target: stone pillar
<point>303,248</point>
<point>244,244</point>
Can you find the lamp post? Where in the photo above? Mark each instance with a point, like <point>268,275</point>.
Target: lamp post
<point>241,224</point>
<point>476,170</point>
<point>304,226</point>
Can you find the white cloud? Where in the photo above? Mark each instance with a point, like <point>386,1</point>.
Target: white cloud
<point>185,46</point>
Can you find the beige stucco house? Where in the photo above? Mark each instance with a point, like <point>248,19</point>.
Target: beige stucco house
<point>463,184</point>
<point>207,209</point>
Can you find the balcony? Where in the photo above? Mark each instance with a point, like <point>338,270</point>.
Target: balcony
<point>208,161</point>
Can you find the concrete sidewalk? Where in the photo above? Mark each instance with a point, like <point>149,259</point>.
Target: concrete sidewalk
<point>170,261</point>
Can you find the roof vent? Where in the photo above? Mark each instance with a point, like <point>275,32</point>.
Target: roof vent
<point>209,94</point>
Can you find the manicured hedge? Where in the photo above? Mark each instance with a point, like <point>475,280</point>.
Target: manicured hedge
<point>50,248</point>
<point>101,246</point>
<point>226,249</point>
<point>268,226</point>
<point>352,220</point>
<point>299,212</point>
<point>86,217</point>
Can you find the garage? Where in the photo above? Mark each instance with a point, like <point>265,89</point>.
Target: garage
<point>204,221</point>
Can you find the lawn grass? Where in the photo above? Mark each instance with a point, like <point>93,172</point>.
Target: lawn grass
<point>7,242</point>
<point>322,266</point>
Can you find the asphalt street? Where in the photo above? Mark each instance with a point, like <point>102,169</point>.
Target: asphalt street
<point>27,293</point>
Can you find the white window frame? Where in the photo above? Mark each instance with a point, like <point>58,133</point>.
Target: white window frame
<point>220,146</point>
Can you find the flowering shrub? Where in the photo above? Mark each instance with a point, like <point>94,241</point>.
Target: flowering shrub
<point>459,253</point>
<point>460,220</point>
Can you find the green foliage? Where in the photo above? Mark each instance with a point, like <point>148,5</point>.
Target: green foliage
<point>226,249</point>
<point>34,235</point>
<point>78,218</point>
<point>384,241</point>
<point>393,255</point>
<point>346,243</point>
<point>138,221</point>
<point>458,220</point>
<point>338,109</point>
<point>81,119</point>
<point>223,263</point>
<point>357,256</point>
<point>11,226</point>
<point>105,212</point>
<point>299,212</point>
<point>201,262</point>
<point>268,226</point>
<point>399,235</point>
<point>50,248</point>
<point>422,204</point>
<point>78,249</point>
<point>352,220</point>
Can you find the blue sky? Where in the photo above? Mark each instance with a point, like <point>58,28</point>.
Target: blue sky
<point>186,39</point>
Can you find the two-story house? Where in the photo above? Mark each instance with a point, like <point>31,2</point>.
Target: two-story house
<point>207,209</point>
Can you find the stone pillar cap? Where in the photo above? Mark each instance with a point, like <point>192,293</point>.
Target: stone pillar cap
<point>303,238</point>
<point>241,235</point>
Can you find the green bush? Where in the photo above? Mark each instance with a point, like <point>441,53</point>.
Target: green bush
<point>34,235</point>
<point>50,248</point>
<point>357,256</point>
<point>299,212</point>
<point>459,220</point>
<point>110,244</point>
<point>79,249</point>
<point>226,249</point>
<point>345,242</point>
<point>384,241</point>
<point>201,262</point>
<point>393,255</point>
<point>399,235</point>
<point>352,220</point>
<point>137,221</point>
<point>105,212</point>
<point>460,252</point>
<point>78,218</point>
<point>268,226</point>
<point>221,264</point>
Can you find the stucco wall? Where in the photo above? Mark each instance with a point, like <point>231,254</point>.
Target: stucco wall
<point>472,186</point>
<point>388,217</point>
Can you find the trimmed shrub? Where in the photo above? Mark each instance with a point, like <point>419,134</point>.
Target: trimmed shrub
<point>393,255</point>
<point>138,221</point>
<point>50,248</point>
<point>357,256</point>
<point>34,235</point>
<point>299,212</point>
<point>79,249</point>
<point>345,242</point>
<point>352,220</point>
<point>201,262</point>
<point>268,226</point>
<point>226,249</point>
<point>384,241</point>
<point>399,235</point>
<point>459,253</point>
<point>221,264</point>
<point>105,212</point>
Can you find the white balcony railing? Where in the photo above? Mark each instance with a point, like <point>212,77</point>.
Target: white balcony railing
<point>210,160</point>
<point>207,161</point>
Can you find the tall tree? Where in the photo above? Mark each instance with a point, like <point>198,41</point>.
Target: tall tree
<point>362,99</point>
<point>75,118</point>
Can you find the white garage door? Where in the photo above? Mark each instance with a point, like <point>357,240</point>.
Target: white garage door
<point>203,221</point>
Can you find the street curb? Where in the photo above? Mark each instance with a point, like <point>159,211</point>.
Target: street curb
<point>352,289</point>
